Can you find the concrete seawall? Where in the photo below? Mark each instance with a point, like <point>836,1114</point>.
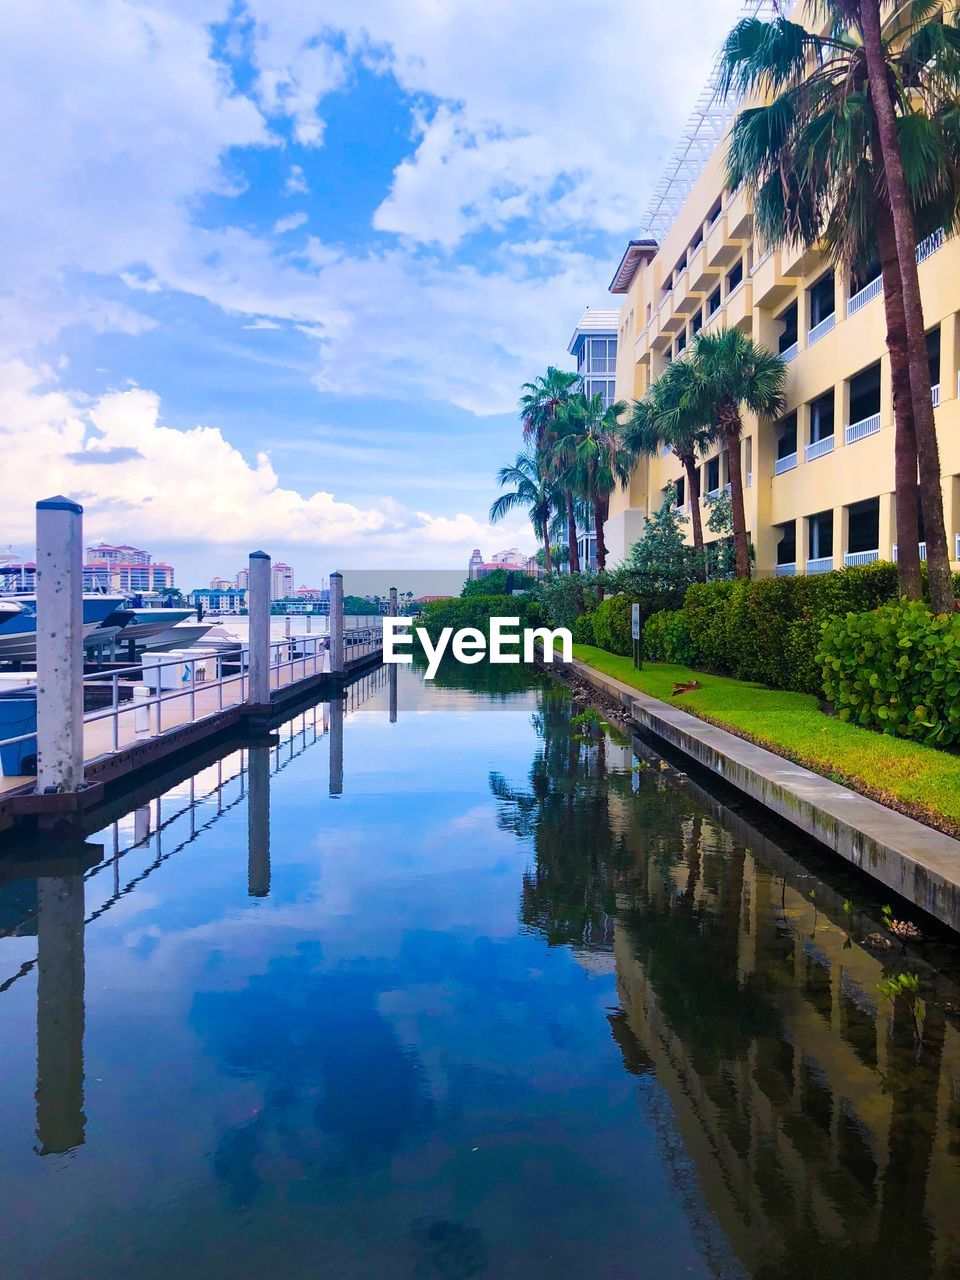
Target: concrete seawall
<point>920,864</point>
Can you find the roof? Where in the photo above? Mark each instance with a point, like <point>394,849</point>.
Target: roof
<point>594,320</point>
<point>637,251</point>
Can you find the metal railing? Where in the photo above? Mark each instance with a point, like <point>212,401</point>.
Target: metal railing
<point>789,353</point>
<point>865,427</point>
<point>935,395</point>
<point>820,564</point>
<point>785,570</point>
<point>818,448</point>
<point>786,463</point>
<point>929,246</point>
<point>865,295</point>
<point>200,685</point>
<point>853,558</point>
<point>922,547</point>
<point>822,328</point>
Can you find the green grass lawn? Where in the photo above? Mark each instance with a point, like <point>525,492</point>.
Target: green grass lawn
<point>915,779</point>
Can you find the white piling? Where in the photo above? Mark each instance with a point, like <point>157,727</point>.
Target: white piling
<point>59,645</point>
<point>336,623</point>
<point>393,602</point>
<point>258,597</point>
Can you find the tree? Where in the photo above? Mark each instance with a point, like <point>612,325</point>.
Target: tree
<point>728,372</point>
<point>592,457</point>
<point>663,420</point>
<point>661,561</point>
<point>825,158</point>
<point>532,490</point>
<point>542,403</point>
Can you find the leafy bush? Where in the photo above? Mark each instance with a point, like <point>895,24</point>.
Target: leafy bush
<point>582,630</point>
<point>566,596</point>
<point>666,638</point>
<point>499,582</point>
<point>613,625</point>
<point>477,610</point>
<point>896,669</point>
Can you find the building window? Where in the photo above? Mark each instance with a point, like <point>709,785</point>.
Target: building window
<point>787,546</point>
<point>865,394</point>
<point>713,302</point>
<point>713,475</point>
<point>735,276</point>
<point>864,526</point>
<point>681,342</point>
<point>714,212</point>
<point>820,536</point>
<point>696,324</point>
<point>933,356</point>
<point>821,418</point>
<point>788,334</point>
<point>822,300</point>
<point>787,442</point>
<point>679,485</point>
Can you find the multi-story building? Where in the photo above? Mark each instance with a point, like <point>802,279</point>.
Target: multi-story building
<point>104,553</point>
<point>594,347</point>
<point>18,575</point>
<point>281,581</point>
<point>126,569</point>
<point>228,599</point>
<point>221,584</point>
<point>819,482</point>
<point>242,579</point>
<point>513,559</point>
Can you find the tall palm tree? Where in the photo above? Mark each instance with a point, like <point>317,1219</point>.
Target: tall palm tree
<point>844,112</point>
<point>533,491</point>
<point>727,373</point>
<point>542,403</point>
<point>592,457</point>
<point>663,419</point>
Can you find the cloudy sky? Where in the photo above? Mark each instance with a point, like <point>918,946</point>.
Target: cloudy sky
<point>272,272</point>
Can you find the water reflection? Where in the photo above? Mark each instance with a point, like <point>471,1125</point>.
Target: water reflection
<point>824,1138</point>
<point>258,821</point>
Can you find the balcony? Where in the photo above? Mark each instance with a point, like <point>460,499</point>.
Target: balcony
<point>739,306</point>
<point>796,261</point>
<point>854,558</point>
<point>702,277</point>
<point>641,346</point>
<point>822,329</point>
<point>739,216</point>
<point>670,321</point>
<point>789,353</point>
<point>822,564</point>
<point>819,448</point>
<point>922,548</point>
<point>865,295</point>
<point>785,570</point>
<point>786,463</point>
<point>769,285</point>
<point>717,321</point>
<point>926,248</point>
<point>865,427</point>
<point>685,301</point>
<point>935,395</point>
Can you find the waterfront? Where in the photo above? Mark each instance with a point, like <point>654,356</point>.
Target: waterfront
<point>510,1002</point>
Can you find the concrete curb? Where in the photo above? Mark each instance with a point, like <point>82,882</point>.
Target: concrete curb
<point>920,864</point>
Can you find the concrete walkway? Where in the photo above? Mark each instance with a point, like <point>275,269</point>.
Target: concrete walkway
<point>917,862</point>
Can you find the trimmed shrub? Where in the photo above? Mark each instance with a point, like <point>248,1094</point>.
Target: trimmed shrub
<point>896,669</point>
<point>613,626</point>
<point>582,630</point>
<point>666,638</point>
<point>477,610</point>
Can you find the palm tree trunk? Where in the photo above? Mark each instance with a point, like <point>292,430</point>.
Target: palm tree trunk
<point>600,506</point>
<point>942,598</point>
<point>732,432</point>
<point>572,534</point>
<point>905,441</point>
<point>547,562</point>
<point>693,488</point>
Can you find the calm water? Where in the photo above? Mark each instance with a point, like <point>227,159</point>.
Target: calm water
<point>510,1002</point>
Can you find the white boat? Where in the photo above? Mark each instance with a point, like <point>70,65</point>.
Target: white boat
<point>18,632</point>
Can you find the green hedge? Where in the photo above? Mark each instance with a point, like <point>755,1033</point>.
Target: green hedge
<point>666,638</point>
<point>582,630</point>
<point>768,629</point>
<point>612,625</point>
<point>476,611</point>
<point>896,669</point>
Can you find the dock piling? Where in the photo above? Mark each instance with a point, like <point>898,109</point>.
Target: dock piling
<point>59,645</point>
<point>336,623</point>
<point>393,602</point>
<point>258,694</point>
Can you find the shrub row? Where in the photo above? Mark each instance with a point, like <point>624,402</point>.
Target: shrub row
<point>896,669</point>
<point>766,629</point>
<point>477,610</point>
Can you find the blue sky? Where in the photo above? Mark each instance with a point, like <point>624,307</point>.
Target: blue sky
<point>273,272</point>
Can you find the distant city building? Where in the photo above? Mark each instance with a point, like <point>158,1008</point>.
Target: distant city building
<point>124,569</point>
<point>511,559</point>
<point>242,580</point>
<point>318,606</point>
<point>228,599</point>
<point>104,553</point>
<point>221,584</point>
<point>281,581</point>
<point>17,575</point>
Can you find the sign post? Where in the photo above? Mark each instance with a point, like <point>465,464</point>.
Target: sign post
<point>637,636</point>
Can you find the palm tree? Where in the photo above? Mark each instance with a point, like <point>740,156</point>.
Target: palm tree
<point>532,490</point>
<point>662,419</point>
<point>825,157</point>
<point>592,457</point>
<point>542,403</point>
<point>728,372</point>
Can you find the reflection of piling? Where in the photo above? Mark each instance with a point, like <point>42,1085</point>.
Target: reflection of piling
<point>60,1013</point>
<point>59,645</point>
<point>336,747</point>
<point>392,682</point>
<point>258,822</point>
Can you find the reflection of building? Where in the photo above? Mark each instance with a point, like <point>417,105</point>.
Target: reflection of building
<point>281,580</point>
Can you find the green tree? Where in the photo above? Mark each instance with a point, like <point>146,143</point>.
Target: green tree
<point>542,404</point>
<point>857,145</point>
<point>661,561</point>
<point>534,491</point>
<point>728,372</point>
<point>592,458</point>
<point>662,419</point>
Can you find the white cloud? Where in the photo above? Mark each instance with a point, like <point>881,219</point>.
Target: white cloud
<point>296,183</point>
<point>290,223</point>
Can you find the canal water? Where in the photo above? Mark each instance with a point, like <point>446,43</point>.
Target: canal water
<point>457,982</point>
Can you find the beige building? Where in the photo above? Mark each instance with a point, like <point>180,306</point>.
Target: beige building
<point>820,481</point>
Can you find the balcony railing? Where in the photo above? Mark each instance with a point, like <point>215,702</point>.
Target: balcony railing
<point>786,463</point>
<point>865,427</point>
<point>929,246</point>
<point>923,551</point>
<point>820,330</point>
<point>785,570</point>
<point>819,448</point>
<point>865,295</point>
<point>853,558</point>
<point>820,564</point>
<point>956,547</point>
<point>935,395</point>
<point>789,353</point>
